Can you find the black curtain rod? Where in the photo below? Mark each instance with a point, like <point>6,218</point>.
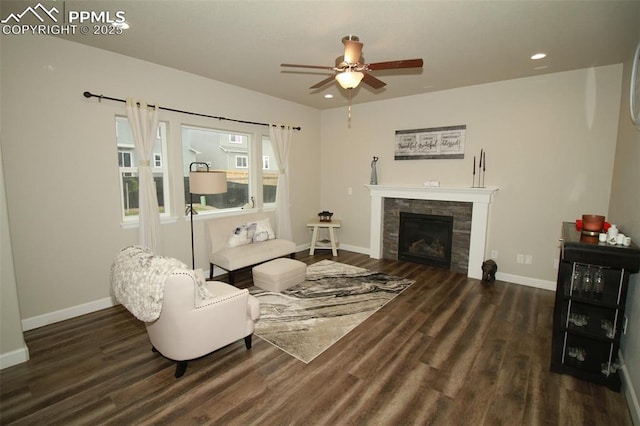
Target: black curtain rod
<point>101,97</point>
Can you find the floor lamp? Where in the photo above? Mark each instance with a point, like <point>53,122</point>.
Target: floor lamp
<point>203,182</point>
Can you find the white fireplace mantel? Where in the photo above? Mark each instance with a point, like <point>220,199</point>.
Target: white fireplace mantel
<point>480,197</point>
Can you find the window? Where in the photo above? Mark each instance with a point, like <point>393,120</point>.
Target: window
<point>124,159</point>
<point>237,139</point>
<point>269,173</point>
<point>221,150</point>
<point>242,161</point>
<point>128,170</point>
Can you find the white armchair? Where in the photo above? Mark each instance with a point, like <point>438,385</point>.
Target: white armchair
<point>189,326</point>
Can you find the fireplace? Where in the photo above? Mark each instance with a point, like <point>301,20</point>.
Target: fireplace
<point>425,238</point>
<point>449,228</point>
<point>468,206</point>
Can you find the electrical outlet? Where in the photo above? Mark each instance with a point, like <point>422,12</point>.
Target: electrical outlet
<point>520,258</point>
<point>494,254</point>
<point>528,259</point>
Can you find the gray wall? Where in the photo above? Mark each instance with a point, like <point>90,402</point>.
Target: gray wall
<point>13,349</point>
<point>61,165</point>
<point>624,209</point>
<point>550,144</point>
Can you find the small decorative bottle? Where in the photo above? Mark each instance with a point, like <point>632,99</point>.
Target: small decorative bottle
<point>374,172</point>
<point>612,234</point>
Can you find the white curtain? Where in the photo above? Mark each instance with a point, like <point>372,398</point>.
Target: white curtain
<point>144,125</point>
<point>281,142</point>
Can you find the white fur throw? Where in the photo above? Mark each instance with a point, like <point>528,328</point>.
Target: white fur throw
<point>137,280</point>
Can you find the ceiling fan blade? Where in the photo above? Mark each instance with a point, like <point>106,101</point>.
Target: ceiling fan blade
<point>405,63</point>
<point>373,81</point>
<point>321,67</point>
<point>352,51</point>
<point>322,83</point>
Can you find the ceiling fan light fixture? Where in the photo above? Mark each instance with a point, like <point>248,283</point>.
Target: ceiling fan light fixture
<point>349,79</point>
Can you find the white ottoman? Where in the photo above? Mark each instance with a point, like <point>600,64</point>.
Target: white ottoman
<point>279,274</point>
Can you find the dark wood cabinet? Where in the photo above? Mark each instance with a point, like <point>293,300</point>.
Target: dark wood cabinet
<point>589,313</point>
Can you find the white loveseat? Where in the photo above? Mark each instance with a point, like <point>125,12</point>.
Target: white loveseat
<point>232,258</point>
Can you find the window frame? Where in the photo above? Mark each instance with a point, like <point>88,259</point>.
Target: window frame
<point>235,138</point>
<point>163,169</point>
<point>243,160</point>
<point>223,140</point>
<point>266,138</point>
<point>122,156</point>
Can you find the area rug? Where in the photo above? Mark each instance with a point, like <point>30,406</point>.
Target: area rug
<point>305,320</point>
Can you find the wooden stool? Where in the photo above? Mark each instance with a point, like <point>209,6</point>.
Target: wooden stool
<point>333,242</point>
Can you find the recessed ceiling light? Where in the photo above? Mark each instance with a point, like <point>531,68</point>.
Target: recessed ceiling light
<point>539,56</point>
<point>328,96</point>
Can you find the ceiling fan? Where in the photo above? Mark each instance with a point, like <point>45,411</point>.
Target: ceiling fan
<point>350,71</point>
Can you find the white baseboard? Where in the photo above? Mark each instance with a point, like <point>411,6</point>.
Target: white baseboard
<point>528,281</point>
<point>347,247</point>
<point>12,358</point>
<point>355,249</point>
<point>629,392</point>
<point>68,313</point>
<point>511,278</point>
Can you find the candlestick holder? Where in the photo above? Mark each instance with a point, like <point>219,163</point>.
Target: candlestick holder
<point>480,179</point>
<point>473,182</point>
<point>482,167</point>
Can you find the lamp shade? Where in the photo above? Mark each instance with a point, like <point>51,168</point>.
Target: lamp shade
<point>349,79</point>
<point>210,182</point>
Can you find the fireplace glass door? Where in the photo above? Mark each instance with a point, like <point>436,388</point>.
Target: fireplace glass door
<point>425,239</point>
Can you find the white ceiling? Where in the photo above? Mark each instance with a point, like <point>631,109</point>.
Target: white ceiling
<point>462,43</point>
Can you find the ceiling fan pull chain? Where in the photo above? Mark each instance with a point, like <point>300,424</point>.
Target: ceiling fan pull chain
<point>349,109</point>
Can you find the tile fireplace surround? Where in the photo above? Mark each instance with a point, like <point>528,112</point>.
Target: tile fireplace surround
<point>480,197</point>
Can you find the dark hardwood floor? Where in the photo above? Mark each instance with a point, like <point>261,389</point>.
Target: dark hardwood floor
<point>446,351</point>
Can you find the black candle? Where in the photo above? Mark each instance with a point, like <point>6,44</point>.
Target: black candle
<point>484,162</point>
<point>480,165</point>
<point>474,164</point>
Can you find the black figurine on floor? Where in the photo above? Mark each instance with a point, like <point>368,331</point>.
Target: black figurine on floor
<point>489,269</point>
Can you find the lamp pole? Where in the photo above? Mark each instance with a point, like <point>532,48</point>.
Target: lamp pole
<point>204,183</point>
<point>193,256</point>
